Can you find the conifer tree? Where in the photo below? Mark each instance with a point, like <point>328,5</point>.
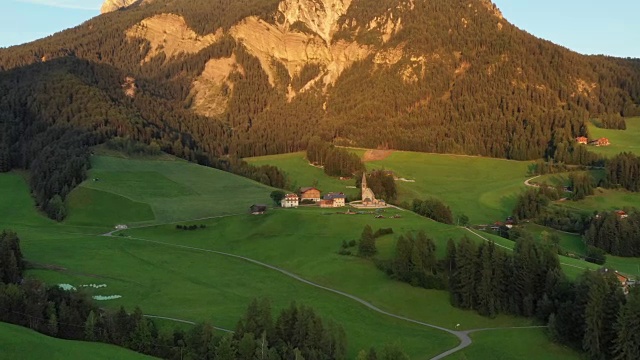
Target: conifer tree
<point>367,243</point>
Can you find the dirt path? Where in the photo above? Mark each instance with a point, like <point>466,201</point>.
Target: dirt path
<point>528,182</point>
<point>183,321</point>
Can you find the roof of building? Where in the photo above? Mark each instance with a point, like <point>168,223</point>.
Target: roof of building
<point>305,189</point>
<point>259,207</point>
<point>331,196</point>
<point>291,196</point>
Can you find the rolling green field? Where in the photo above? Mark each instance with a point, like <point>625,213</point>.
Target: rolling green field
<point>151,267</point>
<point>621,140</point>
<point>21,343</point>
<point>302,174</point>
<point>484,189</point>
<point>521,344</point>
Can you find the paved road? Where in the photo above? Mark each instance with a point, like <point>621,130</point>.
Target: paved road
<point>528,181</point>
<point>463,336</point>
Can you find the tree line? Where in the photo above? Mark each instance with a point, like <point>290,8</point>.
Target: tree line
<point>617,234</point>
<point>434,209</point>
<point>297,333</point>
<point>335,161</point>
<point>590,314</point>
<point>623,171</point>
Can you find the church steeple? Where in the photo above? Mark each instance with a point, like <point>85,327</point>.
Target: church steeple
<point>364,181</point>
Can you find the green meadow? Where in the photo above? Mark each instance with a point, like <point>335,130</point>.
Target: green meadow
<point>21,343</point>
<point>484,189</point>
<point>152,266</point>
<point>621,140</point>
<point>302,174</point>
<point>520,344</point>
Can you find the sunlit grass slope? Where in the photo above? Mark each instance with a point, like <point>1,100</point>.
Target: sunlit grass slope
<point>621,140</point>
<point>482,188</point>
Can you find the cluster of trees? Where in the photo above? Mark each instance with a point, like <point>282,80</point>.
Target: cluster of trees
<point>298,332</point>
<point>612,121</point>
<point>581,185</point>
<point>615,234</point>
<point>414,262</point>
<point>533,202</point>
<point>433,209</point>
<point>367,243</point>
<point>563,219</point>
<point>335,161</point>
<point>490,280</point>
<point>131,147</point>
<point>11,261</point>
<point>382,183</point>
<point>624,171</point>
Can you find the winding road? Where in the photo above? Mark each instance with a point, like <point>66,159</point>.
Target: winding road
<point>463,336</point>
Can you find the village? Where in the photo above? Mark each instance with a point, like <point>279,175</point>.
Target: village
<point>595,142</point>
<point>312,196</point>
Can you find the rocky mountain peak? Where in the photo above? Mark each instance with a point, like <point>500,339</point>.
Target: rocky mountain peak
<point>113,5</point>
<point>320,16</point>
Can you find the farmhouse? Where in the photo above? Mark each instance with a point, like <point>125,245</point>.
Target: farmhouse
<point>625,281</point>
<point>258,209</point>
<point>582,140</point>
<point>600,142</point>
<point>621,214</point>
<point>309,193</point>
<point>333,200</point>
<point>290,201</point>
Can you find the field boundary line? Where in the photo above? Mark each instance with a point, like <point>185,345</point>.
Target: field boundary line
<point>184,322</point>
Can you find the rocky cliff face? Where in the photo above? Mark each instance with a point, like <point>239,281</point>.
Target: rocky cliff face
<point>113,5</point>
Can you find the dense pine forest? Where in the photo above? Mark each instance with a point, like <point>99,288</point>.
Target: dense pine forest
<point>454,78</point>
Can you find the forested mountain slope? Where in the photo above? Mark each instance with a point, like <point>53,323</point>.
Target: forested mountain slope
<point>209,78</point>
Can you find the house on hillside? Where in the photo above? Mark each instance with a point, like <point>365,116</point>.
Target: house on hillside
<point>600,142</point>
<point>621,214</point>
<point>582,140</point>
<point>333,200</point>
<point>625,281</point>
<point>258,209</point>
<point>310,194</point>
<point>290,201</point>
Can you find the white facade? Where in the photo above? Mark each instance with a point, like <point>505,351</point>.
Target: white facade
<point>290,201</point>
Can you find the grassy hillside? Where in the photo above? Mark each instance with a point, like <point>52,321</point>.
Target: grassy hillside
<point>514,345</point>
<point>302,174</point>
<point>174,190</point>
<point>482,188</point>
<point>21,343</point>
<point>621,140</point>
<point>196,284</point>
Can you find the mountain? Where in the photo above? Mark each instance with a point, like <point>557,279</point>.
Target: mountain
<point>204,79</point>
<point>113,5</point>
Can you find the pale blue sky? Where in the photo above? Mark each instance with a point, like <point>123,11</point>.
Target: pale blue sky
<point>586,26</point>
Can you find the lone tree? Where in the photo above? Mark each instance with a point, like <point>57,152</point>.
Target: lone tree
<point>277,196</point>
<point>367,244</point>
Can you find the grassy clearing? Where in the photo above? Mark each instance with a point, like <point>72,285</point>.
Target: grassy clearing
<point>195,285</point>
<point>104,208</point>
<point>301,174</point>
<point>175,190</point>
<point>484,189</point>
<point>21,343</point>
<point>621,140</point>
<point>603,200</point>
<point>514,344</point>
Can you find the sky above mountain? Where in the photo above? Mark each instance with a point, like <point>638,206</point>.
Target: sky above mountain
<point>586,26</point>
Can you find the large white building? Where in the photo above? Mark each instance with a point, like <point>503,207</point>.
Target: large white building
<point>333,200</point>
<point>290,201</point>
